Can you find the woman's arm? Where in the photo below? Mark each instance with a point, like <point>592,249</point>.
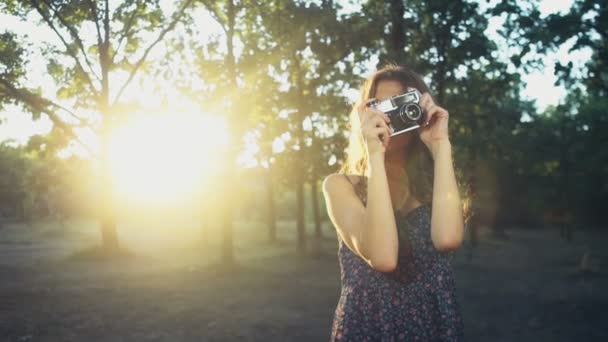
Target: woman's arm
<point>369,231</point>
<point>380,233</point>
<point>447,226</point>
<point>447,222</point>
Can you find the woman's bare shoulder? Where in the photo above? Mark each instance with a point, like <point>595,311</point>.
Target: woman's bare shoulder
<point>343,177</point>
<point>340,182</point>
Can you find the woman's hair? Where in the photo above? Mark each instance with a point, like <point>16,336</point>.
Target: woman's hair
<point>419,162</point>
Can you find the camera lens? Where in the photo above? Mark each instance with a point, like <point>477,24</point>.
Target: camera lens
<point>410,112</point>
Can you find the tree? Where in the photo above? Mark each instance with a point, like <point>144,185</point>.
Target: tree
<point>82,67</point>
<point>13,191</point>
<point>314,49</point>
<point>574,127</point>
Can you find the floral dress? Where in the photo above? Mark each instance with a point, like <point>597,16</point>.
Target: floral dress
<point>415,302</point>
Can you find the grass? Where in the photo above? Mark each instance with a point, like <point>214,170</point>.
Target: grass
<point>99,253</point>
<point>168,284</point>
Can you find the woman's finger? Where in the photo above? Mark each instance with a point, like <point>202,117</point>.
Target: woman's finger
<point>378,118</point>
<point>426,100</point>
<point>381,131</point>
<point>383,134</point>
<point>430,112</point>
<point>382,114</point>
<point>378,123</point>
<point>426,103</point>
<point>370,119</point>
<point>363,109</point>
<point>386,123</point>
<point>382,119</point>
<point>387,138</point>
<point>435,110</point>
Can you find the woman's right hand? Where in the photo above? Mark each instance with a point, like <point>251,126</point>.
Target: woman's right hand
<point>374,128</point>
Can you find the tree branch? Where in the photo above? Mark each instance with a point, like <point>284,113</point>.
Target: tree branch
<point>39,104</point>
<point>106,23</point>
<point>125,31</point>
<point>75,36</point>
<point>215,14</point>
<point>96,19</point>
<point>171,26</point>
<point>21,94</point>
<point>69,50</point>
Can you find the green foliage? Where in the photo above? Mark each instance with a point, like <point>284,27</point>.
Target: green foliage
<point>282,67</point>
<point>13,166</point>
<point>13,58</point>
<point>584,26</point>
<point>35,183</point>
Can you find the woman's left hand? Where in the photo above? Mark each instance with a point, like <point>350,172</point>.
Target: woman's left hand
<point>435,130</point>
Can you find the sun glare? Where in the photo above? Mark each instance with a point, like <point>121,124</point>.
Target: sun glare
<point>164,158</point>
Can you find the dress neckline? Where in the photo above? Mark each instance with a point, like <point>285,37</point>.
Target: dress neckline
<point>360,185</point>
<point>409,213</point>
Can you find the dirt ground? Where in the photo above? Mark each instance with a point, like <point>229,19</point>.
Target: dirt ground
<point>526,288</point>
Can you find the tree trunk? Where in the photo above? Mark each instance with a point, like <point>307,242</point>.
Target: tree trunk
<point>232,150</point>
<point>205,217</point>
<point>300,158</point>
<point>271,215</point>
<point>300,223</point>
<point>315,205</point>
<point>227,210</point>
<point>108,214</point>
<point>440,76</point>
<point>397,34</point>
<point>318,241</point>
<point>564,167</point>
<point>473,224</point>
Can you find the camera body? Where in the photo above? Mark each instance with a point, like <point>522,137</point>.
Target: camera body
<point>404,111</point>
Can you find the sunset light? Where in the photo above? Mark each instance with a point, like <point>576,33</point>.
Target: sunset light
<point>163,157</point>
<point>190,170</point>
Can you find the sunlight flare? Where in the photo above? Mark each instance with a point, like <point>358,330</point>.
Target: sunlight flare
<point>162,158</point>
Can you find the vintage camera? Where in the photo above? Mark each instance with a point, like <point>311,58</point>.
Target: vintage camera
<point>403,110</point>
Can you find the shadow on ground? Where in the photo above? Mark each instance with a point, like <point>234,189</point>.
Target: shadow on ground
<point>526,288</point>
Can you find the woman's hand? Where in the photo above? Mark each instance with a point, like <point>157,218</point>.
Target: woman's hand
<point>374,128</point>
<point>435,130</point>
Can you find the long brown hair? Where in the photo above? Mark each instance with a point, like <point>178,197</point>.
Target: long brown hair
<point>419,165</point>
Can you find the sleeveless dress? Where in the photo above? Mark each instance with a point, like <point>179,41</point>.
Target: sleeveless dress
<point>415,302</point>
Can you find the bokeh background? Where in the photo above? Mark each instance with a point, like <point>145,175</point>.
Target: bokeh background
<point>161,162</point>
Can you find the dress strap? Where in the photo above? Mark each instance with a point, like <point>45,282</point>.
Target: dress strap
<point>348,179</point>
<point>360,189</point>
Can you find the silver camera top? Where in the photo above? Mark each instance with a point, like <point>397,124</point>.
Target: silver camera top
<point>392,103</point>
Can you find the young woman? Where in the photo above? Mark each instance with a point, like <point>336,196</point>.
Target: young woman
<point>398,214</point>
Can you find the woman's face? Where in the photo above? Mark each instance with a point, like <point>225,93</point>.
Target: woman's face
<point>384,90</point>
